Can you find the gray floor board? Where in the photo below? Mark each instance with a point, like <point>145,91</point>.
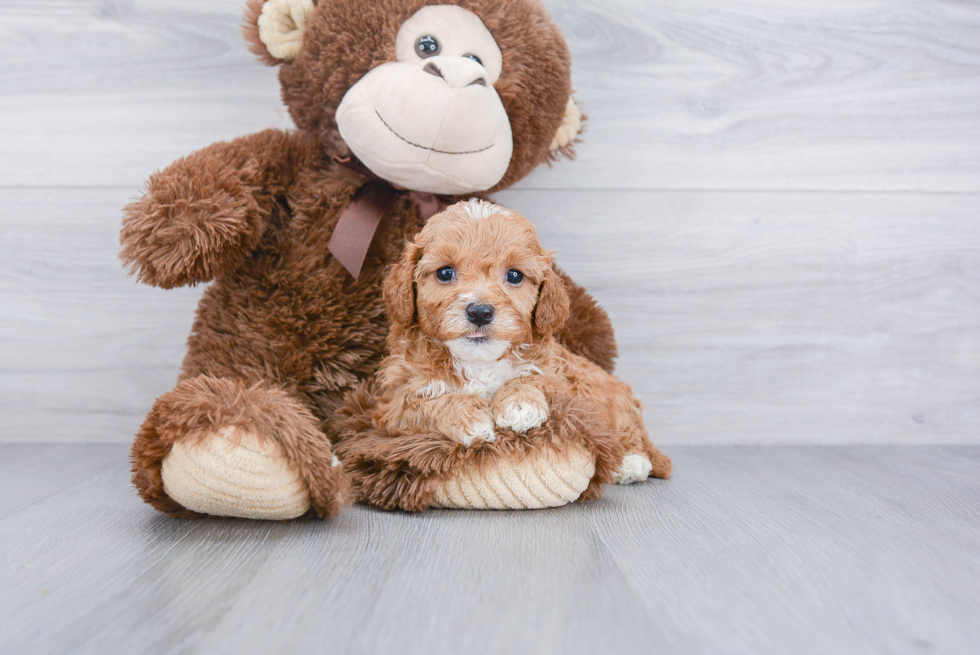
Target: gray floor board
<point>745,550</point>
<point>31,472</point>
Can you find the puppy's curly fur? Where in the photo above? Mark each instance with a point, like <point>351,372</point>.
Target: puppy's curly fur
<point>458,388</point>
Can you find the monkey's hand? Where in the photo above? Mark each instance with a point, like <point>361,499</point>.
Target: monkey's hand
<point>206,213</point>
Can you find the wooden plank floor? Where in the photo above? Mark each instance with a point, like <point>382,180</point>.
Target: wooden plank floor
<point>746,550</point>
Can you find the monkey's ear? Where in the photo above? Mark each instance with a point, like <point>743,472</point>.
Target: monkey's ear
<point>399,288</point>
<point>552,309</point>
<point>568,131</point>
<point>274,29</point>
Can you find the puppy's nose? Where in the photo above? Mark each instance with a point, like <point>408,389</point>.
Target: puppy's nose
<point>479,315</point>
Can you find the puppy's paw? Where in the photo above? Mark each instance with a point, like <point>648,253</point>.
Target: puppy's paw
<point>522,415</point>
<point>635,468</point>
<point>479,429</point>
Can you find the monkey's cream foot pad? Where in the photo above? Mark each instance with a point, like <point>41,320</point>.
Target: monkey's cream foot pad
<point>234,473</point>
<point>542,479</point>
<point>568,458</point>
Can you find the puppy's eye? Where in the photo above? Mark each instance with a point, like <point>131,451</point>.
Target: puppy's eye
<point>427,46</point>
<point>446,274</point>
<point>514,276</point>
<point>474,58</point>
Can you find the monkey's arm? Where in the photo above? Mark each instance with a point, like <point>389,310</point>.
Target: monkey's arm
<point>206,212</point>
<point>588,331</point>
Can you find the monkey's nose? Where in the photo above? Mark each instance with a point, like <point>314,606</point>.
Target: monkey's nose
<point>479,315</point>
<point>432,69</point>
<point>457,72</point>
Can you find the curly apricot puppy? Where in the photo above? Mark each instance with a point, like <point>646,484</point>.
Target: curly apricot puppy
<point>475,304</point>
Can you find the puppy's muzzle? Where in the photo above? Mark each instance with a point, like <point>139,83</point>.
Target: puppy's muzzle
<point>478,314</point>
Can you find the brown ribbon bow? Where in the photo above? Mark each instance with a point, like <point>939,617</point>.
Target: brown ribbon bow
<point>359,220</point>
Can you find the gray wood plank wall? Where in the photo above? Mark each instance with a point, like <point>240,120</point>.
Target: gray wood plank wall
<point>777,202</point>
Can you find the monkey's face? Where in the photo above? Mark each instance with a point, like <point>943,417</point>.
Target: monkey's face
<point>432,120</point>
<point>444,96</point>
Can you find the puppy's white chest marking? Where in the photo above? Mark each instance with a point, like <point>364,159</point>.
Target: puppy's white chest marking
<point>481,378</point>
<point>485,378</point>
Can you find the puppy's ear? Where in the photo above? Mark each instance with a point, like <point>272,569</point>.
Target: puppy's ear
<point>551,311</point>
<point>399,287</point>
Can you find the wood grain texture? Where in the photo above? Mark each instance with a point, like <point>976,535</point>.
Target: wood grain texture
<point>103,92</point>
<point>767,316</point>
<point>763,94</point>
<point>742,317</point>
<point>31,472</point>
<point>77,357</point>
<point>777,202</point>
<point>783,317</point>
<point>745,550</point>
<point>690,94</point>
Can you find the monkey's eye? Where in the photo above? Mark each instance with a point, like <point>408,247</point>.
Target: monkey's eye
<point>427,46</point>
<point>514,276</point>
<point>474,58</point>
<point>446,274</point>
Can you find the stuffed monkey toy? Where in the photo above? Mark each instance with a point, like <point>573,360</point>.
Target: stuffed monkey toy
<point>401,107</point>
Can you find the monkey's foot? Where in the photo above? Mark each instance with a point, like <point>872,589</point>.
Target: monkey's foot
<point>233,472</point>
<point>542,479</point>
<point>223,447</point>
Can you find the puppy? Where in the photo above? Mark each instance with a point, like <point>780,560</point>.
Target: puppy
<point>474,305</point>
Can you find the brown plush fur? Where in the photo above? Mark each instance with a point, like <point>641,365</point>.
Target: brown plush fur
<point>198,405</point>
<point>424,409</point>
<point>402,471</point>
<point>253,216</point>
<point>347,38</point>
